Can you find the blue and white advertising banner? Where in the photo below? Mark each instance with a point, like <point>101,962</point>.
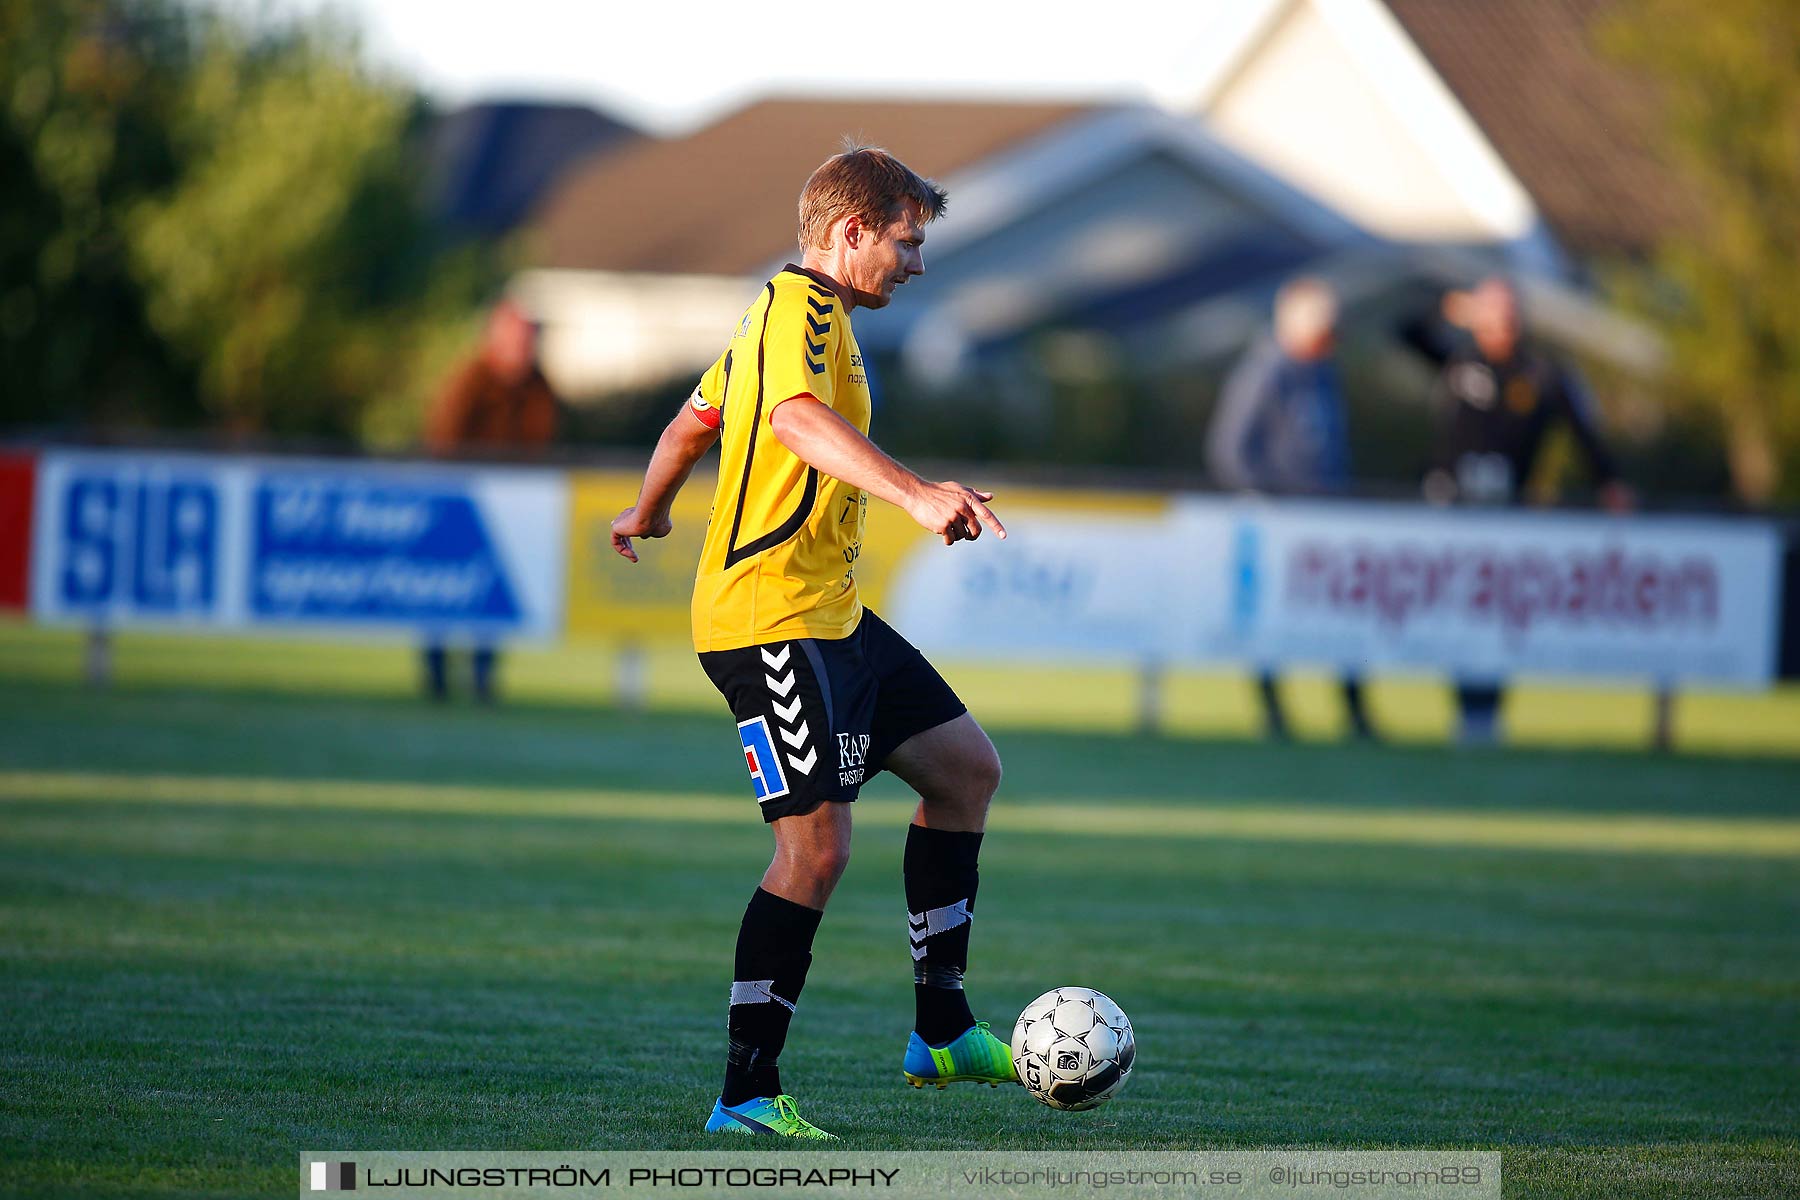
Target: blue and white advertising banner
<point>134,539</point>
<point>202,541</point>
<point>407,547</point>
<point>192,540</point>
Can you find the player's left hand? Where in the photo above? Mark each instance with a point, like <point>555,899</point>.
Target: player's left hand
<point>631,523</point>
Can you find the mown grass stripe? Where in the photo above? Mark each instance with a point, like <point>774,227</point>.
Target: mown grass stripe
<point>1625,833</point>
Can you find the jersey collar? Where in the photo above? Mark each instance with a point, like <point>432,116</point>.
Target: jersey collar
<point>823,281</point>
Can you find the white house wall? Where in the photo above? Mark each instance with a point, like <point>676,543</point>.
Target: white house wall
<point>613,331</point>
<point>1332,95</point>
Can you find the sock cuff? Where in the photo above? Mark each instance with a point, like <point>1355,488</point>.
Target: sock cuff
<point>776,913</point>
<point>941,851</point>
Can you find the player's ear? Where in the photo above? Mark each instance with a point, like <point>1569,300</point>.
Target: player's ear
<point>853,230</point>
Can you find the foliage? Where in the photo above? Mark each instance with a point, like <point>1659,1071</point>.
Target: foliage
<point>84,103</point>
<point>252,196</point>
<point>1729,75</point>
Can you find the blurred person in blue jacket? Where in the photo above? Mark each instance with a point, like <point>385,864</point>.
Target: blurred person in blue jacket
<point>1280,429</point>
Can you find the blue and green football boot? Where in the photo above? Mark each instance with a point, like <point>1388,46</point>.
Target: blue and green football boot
<point>975,1057</point>
<point>765,1114</point>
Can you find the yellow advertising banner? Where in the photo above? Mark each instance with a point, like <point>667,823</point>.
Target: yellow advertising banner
<point>614,599</point>
<point>611,597</point>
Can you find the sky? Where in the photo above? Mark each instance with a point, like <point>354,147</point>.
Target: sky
<point>673,65</point>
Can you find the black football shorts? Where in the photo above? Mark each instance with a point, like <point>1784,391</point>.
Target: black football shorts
<point>818,717</point>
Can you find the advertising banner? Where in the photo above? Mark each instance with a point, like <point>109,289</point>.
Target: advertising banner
<point>609,597</point>
<point>1066,584</point>
<point>18,484</point>
<point>124,539</point>
<point>193,540</point>
<point>441,549</point>
<point>1489,594</point>
<point>1475,594</point>
<point>280,544</point>
<point>900,567</point>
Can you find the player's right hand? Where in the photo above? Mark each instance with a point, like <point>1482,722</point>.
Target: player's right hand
<point>631,523</point>
<point>954,512</point>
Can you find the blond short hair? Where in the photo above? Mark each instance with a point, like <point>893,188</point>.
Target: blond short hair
<point>866,182</point>
<point>1305,309</point>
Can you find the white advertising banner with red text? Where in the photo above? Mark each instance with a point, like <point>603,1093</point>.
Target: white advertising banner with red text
<point>1475,594</point>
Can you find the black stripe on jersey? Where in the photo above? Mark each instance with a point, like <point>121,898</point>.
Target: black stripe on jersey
<point>819,287</point>
<point>817,351</point>
<point>737,519</point>
<point>824,310</point>
<point>787,528</point>
<point>818,329</point>
<point>735,553</point>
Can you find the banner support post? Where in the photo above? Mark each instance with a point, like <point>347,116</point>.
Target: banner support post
<point>1663,734</point>
<point>96,656</point>
<point>631,676</point>
<point>1150,695</point>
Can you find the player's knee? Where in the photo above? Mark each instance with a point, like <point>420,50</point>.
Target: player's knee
<point>965,784</point>
<point>984,774</point>
<point>828,863</point>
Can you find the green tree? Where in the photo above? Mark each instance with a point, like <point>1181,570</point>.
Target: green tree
<point>85,92</point>
<point>1729,300</point>
<point>245,201</point>
<point>291,259</point>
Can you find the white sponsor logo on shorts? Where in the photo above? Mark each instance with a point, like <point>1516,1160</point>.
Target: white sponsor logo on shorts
<point>853,748</point>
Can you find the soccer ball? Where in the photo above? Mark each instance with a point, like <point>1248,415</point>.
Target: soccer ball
<point>1073,1048</point>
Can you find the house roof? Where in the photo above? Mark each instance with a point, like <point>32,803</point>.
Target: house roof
<point>492,162</point>
<point>721,201</point>
<point>1577,130</point>
<point>1014,254</point>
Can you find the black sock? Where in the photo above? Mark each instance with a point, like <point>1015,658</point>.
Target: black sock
<point>774,949</point>
<point>940,904</point>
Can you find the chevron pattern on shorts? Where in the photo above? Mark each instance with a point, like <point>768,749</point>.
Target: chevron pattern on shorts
<point>779,675</point>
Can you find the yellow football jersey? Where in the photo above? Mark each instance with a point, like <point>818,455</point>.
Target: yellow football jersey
<point>780,554</point>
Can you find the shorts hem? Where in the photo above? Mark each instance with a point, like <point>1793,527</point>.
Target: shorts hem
<point>802,806</point>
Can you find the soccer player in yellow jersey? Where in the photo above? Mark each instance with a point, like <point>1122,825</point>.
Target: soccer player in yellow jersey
<point>824,692</point>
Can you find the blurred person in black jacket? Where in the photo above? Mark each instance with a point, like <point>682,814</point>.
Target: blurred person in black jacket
<point>1280,429</point>
<point>1495,399</point>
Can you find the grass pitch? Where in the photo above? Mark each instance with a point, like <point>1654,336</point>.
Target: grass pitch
<point>235,924</point>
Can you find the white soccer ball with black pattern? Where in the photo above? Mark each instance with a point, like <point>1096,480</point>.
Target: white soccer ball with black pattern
<point>1073,1048</point>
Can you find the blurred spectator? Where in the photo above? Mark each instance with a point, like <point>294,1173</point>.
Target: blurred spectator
<point>498,401</point>
<point>1280,429</point>
<point>1495,398</point>
<point>496,404</point>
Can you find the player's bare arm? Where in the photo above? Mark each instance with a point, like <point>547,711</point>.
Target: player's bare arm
<point>821,438</point>
<point>682,444</point>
